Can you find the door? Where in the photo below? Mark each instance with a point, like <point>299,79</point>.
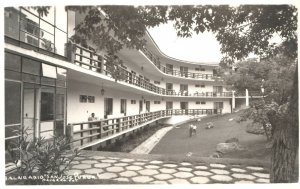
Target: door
<point>148,106</point>
<point>184,107</point>
<point>217,90</point>
<point>47,111</point>
<point>30,109</point>
<point>141,106</point>
<point>169,105</point>
<point>169,87</point>
<point>184,89</point>
<point>183,71</point>
<point>218,107</point>
<point>123,106</point>
<point>108,107</point>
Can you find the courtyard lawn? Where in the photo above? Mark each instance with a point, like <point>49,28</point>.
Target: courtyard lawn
<point>177,141</point>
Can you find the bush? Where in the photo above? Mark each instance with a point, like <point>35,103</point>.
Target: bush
<point>41,156</point>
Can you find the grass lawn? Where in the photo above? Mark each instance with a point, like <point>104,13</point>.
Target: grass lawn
<point>177,141</point>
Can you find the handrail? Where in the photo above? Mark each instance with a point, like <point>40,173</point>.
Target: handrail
<point>166,70</point>
<point>88,131</point>
<point>101,66</point>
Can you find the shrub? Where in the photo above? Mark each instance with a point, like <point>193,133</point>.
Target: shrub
<point>41,156</point>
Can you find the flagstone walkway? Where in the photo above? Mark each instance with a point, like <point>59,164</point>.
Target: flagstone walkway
<point>155,169</point>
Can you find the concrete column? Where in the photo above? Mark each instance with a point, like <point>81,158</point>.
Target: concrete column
<point>247,98</point>
<point>233,100</point>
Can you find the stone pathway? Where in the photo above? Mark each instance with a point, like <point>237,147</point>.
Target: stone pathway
<point>148,145</point>
<point>156,171</point>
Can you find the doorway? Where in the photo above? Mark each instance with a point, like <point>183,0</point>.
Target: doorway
<point>140,106</point>
<point>108,107</point>
<point>184,106</point>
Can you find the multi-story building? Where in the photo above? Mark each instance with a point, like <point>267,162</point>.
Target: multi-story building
<point>48,86</point>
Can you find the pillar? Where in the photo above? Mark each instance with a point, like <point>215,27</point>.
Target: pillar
<point>247,98</point>
<point>233,101</point>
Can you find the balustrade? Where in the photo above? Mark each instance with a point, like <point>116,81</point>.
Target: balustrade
<point>85,132</point>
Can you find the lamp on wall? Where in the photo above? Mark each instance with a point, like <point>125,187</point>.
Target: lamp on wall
<point>102,90</point>
<point>142,68</point>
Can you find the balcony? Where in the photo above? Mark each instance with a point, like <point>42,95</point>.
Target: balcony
<point>88,59</point>
<point>176,73</point>
<point>87,134</point>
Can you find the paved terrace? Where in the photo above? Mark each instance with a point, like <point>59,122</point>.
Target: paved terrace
<point>158,169</point>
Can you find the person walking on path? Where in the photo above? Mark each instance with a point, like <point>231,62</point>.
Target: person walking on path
<point>192,129</point>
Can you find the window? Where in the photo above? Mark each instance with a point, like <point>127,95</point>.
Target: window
<point>218,105</point>
<point>217,89</point>
<point>60,42</point>
<point>123,108</point>
<point>91,99</point>
<point>49,71</point>
<point>169,105</point>
<point>156,102</point>
<point>46,36</point>
<point>12,62</point>
<point>31,66</point>
<point>48,32</point>
<point>197,102</point>
<point>203,102</point>
<point>183,87</point>
<point>12,102</point>
<point>11,24</point>
<point>83,98</point>
<point>12,114</point>
<point>197,85</point>
<point>202,69</point>
<point>47,106</point>
<point>133,101</point>
<point>197,69</point>
<point>202,86</point>
<point>61,77</point>
<point>157,82</point>
<point>60,104</point>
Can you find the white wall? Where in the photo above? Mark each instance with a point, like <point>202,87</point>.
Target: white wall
<point>78,112</point>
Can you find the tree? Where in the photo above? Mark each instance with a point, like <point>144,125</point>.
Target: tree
<point>241,30</point>
<point>274,75</point>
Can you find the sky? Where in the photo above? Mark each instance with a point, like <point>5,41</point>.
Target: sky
<point>199,48</point>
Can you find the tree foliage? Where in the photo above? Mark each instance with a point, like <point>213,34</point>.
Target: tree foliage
<point>274,75</point>
<point>240,30</point>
